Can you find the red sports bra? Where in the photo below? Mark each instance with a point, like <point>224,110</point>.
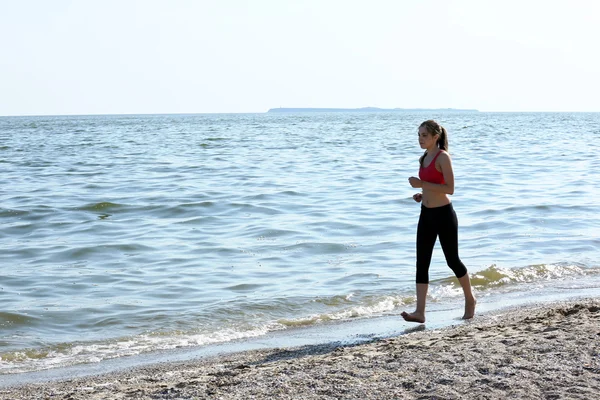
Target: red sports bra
<point>430,173</point>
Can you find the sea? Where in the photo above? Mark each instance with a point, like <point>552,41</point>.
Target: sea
<point>131,239</point>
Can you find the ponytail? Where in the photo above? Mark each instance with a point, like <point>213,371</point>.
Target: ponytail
<point>443,140</point>
<point>422,158</point>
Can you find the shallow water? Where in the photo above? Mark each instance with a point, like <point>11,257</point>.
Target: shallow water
<point>122,235</point>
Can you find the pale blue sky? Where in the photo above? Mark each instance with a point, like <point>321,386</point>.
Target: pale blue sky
<point>212,56</point>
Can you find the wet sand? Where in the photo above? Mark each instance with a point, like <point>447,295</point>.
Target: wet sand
<point>547,351</point>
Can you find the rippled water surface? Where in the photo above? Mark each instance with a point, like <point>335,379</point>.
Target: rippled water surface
<point>126,234</point>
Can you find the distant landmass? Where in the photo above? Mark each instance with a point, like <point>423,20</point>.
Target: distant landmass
<point>369,109</point>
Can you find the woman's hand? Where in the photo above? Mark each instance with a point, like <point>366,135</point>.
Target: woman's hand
<point>415,182</point>
<point>418,197</point>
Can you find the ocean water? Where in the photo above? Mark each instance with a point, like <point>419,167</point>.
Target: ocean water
<point>128,235</point>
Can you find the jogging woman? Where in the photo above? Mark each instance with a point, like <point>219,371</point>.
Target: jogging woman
<point>438,218</point>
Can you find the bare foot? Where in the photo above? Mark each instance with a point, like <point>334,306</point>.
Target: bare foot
<point>470,308</point>
<point>413,317</point>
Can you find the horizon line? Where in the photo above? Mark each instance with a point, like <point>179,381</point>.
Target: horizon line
<point>308,110</point>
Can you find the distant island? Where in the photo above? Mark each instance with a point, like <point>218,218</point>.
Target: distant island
<point>368,109</point>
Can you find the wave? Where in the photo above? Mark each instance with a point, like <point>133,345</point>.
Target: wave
<point>369,308</point>
<point>101,206</point>
<point>69,354</point>
<point>260,319</point>
<point>494,276</point>
<point>16,319</point>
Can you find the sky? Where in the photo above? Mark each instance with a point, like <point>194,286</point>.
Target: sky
<point>65,57</point>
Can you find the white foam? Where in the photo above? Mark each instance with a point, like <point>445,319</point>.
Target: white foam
<point>19,362</point>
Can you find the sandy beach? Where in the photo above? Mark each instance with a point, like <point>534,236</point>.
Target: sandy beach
<point>549,351</point>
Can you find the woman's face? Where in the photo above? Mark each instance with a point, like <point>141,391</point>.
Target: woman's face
<point>426,139</point>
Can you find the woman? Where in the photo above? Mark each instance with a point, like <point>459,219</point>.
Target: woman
<point>436,179</point>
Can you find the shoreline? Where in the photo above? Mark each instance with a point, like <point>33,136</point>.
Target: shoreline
<point>541,351</point>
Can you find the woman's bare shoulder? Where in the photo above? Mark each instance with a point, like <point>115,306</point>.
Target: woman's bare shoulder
<point>444,155</point>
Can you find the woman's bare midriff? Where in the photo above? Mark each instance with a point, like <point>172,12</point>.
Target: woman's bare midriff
<point>432,199</point>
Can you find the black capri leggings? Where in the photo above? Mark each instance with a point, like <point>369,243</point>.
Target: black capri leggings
<point>434,222</point>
